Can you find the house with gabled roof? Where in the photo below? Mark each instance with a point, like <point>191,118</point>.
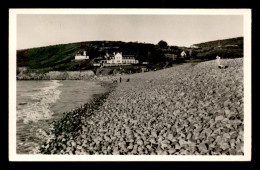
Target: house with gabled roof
<point>119,59</point>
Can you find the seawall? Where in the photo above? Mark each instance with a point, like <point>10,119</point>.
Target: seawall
<point>56,75</point>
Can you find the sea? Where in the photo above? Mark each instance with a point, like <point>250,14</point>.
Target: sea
<point>39,103</point>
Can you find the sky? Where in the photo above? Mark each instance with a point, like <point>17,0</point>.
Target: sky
<point>37,30</point>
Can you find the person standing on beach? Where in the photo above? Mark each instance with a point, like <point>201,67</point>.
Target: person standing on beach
<point>219,64</point>
<point>218,60</point>
<point>120,79</point>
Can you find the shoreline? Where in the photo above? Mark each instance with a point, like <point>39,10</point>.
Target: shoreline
<point>62,131</point>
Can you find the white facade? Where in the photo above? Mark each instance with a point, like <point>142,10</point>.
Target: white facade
<point>82,56</point>
<point>183,54</point>
<point>119,59</point>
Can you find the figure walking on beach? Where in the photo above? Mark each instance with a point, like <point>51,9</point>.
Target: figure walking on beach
<point>120,79</point>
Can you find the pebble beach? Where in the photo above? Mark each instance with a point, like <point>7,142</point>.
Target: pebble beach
<point>188,109</point>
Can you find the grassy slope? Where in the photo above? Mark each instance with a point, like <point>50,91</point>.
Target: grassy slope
<point>209,50</point>
<point>232,41</point>
<point>58,57</point>
<point>50,56</point>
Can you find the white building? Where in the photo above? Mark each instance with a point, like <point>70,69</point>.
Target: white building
<point>183,54</point>
<point>118,58</point>
<point>81,56</point>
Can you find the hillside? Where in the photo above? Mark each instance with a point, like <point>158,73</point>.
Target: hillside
<point>61,57</point>
<point>227,48</point>
<point>231,41</point>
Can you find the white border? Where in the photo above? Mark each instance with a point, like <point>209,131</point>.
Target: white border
<point>247,85</point>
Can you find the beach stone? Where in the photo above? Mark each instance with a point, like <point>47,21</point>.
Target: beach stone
<point>227,112</point>
<point>171,150</point>
<point>202,147</point>
<point>154,133</point>
<point>193,111</point>
<point>152,140</point>
<point>73,144</point>
<point>170,137</point>
<point>219,118</point>
<point>159,151</point>
<point>232,151</point>
<point>130,147</point>
<point>140,142</point>
<point>149,147</point>
<point>177,146</point>
<point>79,147</point>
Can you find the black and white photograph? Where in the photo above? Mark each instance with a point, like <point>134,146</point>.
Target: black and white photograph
<point>129,84</point>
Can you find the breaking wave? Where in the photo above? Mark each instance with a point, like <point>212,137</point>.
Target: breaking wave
<point>43,99</point>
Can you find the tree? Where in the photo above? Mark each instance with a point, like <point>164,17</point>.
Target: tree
<point>162,44</point>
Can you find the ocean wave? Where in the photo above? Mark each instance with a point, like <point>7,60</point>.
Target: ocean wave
<point>40,109</point>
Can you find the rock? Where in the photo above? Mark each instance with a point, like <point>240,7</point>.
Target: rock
<point>130,147</point>
<point>227,112</point>
<point>224,145</point>
<point>202,147</point>
<point>159,151</point>
<point>232,151</point>
<point>73,143</point>
<point>226,136</point>
<point>171,151</point>
<point>177,146</point>
<point>154,133</point>
<point>219,118</point>
<point>79,147</point>
<point>115,151</point>
<point>188,104</point>
<point>160,139</point>
<point>148,147</point>
<point>188,136</point>
<point>165,153</point>
<point>140,142</point>
<point>170,137</point>
<point>226,103</point>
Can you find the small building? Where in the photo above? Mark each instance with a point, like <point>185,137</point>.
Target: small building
<point>81,56</point>
<point>116,59</point>
<point>183,54</point>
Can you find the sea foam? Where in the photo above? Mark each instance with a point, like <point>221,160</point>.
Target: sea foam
<point>40,109</point>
